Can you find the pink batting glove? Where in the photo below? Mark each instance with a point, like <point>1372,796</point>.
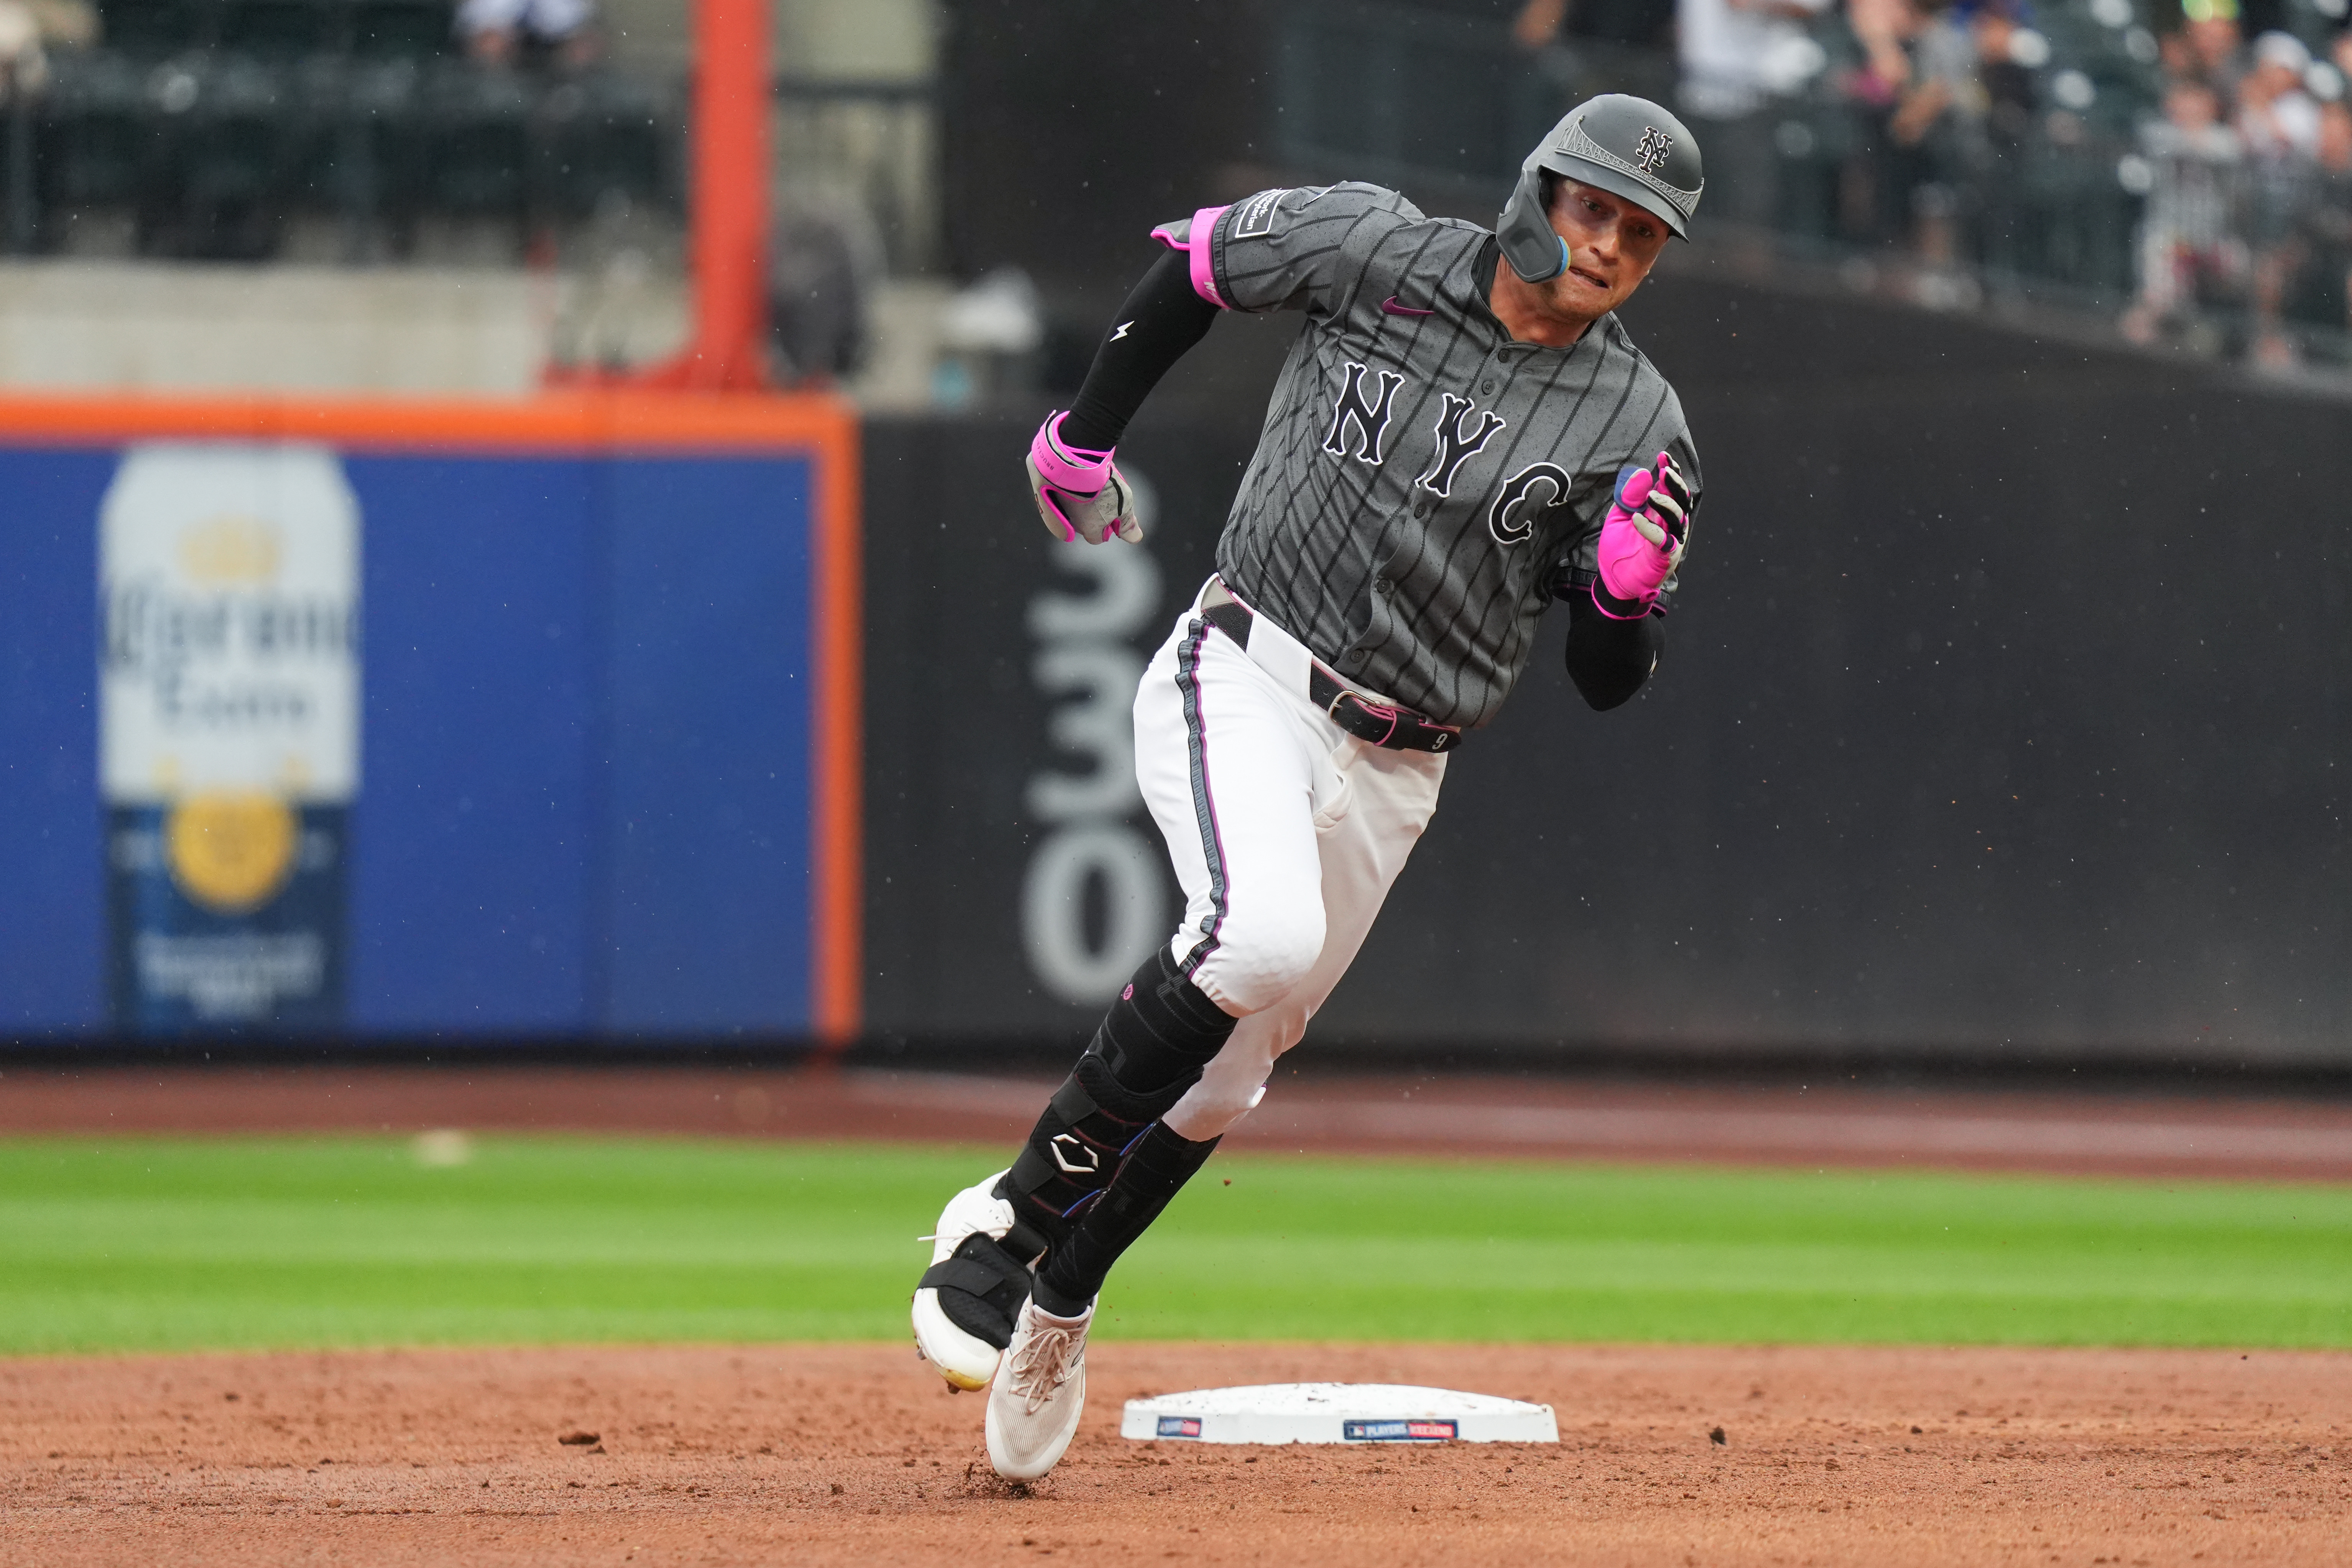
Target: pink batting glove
<point>1641,539</point>
<point>1080,493</point>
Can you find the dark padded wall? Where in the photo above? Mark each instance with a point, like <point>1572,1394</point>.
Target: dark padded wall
<point>2004,712</point>
<point>957,723</point>
<point>1069,127</point>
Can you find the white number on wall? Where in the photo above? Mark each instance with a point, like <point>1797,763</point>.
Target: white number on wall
<point>1093,851</point>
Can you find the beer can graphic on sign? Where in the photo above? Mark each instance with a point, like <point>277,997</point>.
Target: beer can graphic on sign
<point>229,699</point>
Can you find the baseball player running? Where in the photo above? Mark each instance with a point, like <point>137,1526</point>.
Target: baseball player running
<point>1462,434</point>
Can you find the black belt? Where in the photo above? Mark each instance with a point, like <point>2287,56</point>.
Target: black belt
<point>1374,723</point>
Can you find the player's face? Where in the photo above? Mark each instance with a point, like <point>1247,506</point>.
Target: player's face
<point>1612,244</point>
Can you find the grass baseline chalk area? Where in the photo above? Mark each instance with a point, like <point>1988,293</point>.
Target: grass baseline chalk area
<point>114,1245</point>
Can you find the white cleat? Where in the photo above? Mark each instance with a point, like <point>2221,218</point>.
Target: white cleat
<point>965,1359</point>
<point>1039,1393</point>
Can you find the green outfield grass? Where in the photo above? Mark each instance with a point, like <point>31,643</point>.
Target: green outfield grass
<point>123,1244</point>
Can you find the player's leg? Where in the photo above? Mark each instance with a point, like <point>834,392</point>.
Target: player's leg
<point>1098,1168</point>
<point>1387,802</point>
<point>1232,767</point>
<point>1364,810</point>
<point>1099,1129</point>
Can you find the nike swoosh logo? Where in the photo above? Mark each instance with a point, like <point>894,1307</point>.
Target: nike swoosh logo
<point>1390,307</point>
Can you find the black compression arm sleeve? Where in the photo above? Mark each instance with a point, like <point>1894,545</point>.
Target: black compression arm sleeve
<point>1609,659</point>
<point>1161,319</point>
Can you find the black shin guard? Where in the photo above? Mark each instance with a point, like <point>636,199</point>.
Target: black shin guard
<point>1162,1031</point>
<point>1157,1165</point>
<point>1150,1048</point>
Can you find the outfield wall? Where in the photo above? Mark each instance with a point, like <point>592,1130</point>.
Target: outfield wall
<point>457,721</point>
<point>2004,715</point>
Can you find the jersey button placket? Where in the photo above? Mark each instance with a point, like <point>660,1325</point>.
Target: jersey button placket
<point>1500,363</point>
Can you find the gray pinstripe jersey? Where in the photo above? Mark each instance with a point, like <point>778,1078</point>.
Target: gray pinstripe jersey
<point>1421,480</point>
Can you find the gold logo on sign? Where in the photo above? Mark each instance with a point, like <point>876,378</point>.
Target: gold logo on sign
<point>231,851</point>
<point>1655,147</point>
<point>230,549</point>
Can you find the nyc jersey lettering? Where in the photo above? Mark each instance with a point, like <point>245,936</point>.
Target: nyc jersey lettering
<point>1369,416</point>
<point>1457,446</point>
<point>1512,517</point>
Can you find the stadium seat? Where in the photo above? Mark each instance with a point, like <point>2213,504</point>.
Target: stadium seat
<point>279,30</point>
<point>476,141</point>
<point>228,160</point>
<point>402,30</point>
<point>95,137</point>
<point>150,28</point>
<point>603,132</point>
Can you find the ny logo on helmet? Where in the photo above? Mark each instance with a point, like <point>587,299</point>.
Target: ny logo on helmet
<point>1655,148</point>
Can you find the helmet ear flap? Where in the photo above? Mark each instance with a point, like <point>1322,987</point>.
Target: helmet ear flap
<point>1534,251</point>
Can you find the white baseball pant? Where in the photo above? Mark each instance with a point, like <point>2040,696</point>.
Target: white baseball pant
<point>1285,831</point>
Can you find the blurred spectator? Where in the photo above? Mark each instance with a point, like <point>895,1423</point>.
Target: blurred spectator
<point>1886,162</point>
<point>1942,81</point>
<point>1737,57</point>
<point>1937,128</point>
<point>27,28</point>
<point>2208,49</point>
<point>1960,129</point>
<point>529,32</point>
<point>1882,27</point>
<point>2278,127</point>
<point>24,65</point>
<point>1999,136</point>
<point>817,285</point>
<point>2323,227</point>
<point>65,24</point>
<point>2007,85</point>
<point>61,23</point>
<point>2275,116</point>
<point>23,73</point>
<point>2189,250</point>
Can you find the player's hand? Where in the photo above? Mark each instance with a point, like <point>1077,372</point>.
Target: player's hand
<point>1080,494</point>
<point>1641,539</point>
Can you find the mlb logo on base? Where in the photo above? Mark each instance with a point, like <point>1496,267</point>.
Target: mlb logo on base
<point>1397,1431</point>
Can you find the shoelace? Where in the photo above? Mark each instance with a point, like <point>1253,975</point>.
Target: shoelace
<point>1045,1363</point>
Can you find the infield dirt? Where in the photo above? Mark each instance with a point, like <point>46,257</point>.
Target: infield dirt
<point>854,1454</point>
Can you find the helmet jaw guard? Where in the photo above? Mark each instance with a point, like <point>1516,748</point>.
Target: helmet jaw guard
<point>1534,251</point>
<point>1627,146</point>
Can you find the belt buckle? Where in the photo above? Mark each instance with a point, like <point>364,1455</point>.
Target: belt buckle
<point>1370,710</point>
<point>1440,736</point>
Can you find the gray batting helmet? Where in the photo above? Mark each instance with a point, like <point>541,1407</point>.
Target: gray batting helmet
<point>1627,146</point>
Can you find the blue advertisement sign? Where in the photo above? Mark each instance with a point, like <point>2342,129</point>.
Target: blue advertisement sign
<point>228,732</point>
<point>396,739</point>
